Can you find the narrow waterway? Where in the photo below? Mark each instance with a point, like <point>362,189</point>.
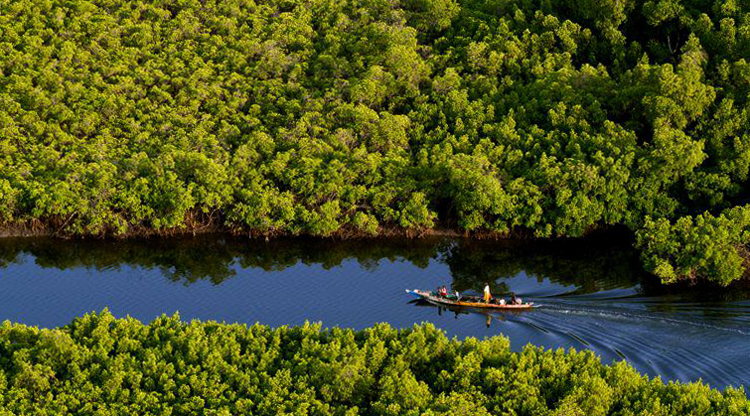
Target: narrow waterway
<point>589,295</point>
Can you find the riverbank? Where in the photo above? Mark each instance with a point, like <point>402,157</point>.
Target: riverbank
<point>99,363</point>
<point>198,224</point>
<point>53,229</point>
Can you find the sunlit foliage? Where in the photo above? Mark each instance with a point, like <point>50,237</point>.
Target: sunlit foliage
<point>324,117</point>
<point>106,366</point>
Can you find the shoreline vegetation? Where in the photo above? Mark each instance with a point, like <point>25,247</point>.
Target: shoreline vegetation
<point>352,118</point>
<point>38,229</point>
<point>196,224</point>
<point>102,365</point>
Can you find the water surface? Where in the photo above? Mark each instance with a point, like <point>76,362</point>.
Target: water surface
<point>591,295</point>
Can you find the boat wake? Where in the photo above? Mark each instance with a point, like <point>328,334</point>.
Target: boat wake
<point>675,346</point>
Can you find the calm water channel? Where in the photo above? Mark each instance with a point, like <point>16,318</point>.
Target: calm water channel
<point>590,294</point>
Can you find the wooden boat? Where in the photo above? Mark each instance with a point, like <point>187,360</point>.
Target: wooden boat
<point>467,301</point>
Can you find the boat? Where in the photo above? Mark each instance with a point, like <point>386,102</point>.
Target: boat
<point>465,301</point>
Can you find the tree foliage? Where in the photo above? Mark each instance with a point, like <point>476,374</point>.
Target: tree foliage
<point>704,245</point>
<point>106,366</point>
<point>323,117</point>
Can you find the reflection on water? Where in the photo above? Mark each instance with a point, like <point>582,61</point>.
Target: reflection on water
<point>589,294</point>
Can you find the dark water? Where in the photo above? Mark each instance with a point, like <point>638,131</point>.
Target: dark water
<point>591,294</point>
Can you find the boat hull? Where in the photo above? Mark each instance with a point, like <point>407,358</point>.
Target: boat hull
<point>448,302</point>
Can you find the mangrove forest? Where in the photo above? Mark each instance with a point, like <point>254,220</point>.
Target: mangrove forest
<point>99,365</point>
<point>516,118</point>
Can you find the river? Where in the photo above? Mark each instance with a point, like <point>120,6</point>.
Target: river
<point>589,294</point>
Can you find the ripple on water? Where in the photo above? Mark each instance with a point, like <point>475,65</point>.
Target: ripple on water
<point>677,348</point>
<point>587,299</point>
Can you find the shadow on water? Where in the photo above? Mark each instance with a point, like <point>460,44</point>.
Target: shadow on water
<point>213,258</point>
<point>471,263</point>
<point>588,266</point>
<point>591,294</point>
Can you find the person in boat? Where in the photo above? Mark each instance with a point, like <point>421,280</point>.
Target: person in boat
<point>458,296</point>
<point>501,302</point>
<point>515,300</point>
<point>487,294</point>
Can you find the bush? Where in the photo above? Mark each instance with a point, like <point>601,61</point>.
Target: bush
<point>704,245</point>
<point>102,365</point>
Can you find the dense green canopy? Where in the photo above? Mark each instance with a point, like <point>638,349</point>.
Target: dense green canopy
<point>542,118</point>
<point>102,366</point>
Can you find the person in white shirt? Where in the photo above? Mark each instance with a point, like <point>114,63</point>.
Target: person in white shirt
<point>515,300</point>
<point>487,294</point>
